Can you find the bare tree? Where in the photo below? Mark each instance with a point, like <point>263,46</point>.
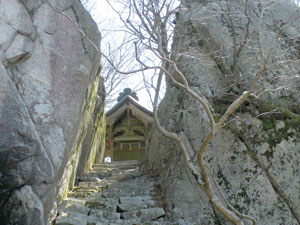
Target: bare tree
<point>118,47</point>
<point>122,56</point>
<point>149,25</point>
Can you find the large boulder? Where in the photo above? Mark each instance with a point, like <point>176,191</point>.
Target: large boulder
<point>51,97</point>
<point>255,158</point>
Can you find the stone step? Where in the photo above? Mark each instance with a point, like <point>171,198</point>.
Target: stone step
<point>136,162</point>
<point>111,215</point>
<point>95,174</point>
<point>116,193</point>
<point>125,175</point>
<point>131,206</point>
<point>135,205</point>
<point>89,179</point>
<point>135,198</point>
<point>125,187</point>
<point>101,184</point>
<point>74,205</point>
<point>119,165</point>
<point>144,214</point>
<point>80,194</point>
<point>131,190</point>
<point>104,204</point>
<point>86,189</point>
<point>74,218</point>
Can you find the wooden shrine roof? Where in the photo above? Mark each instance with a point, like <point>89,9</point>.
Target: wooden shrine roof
<point>125,103</point>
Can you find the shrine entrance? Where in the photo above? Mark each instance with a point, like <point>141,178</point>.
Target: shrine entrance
<point>129,151</point>
<point>127,129</point>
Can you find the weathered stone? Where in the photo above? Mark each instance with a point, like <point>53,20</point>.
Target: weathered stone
<point>144,214</point>
<point>103,204</point>
<point>131,206</point>
<point>51,107</point>
<point>31,4</point>
<point>96,213</point>
<point>20,48</point>
<point>111,215</point>
<point>46,20</point>
<point>14,13</point>
<point>119,210</point>
<point>27,201</point>
<point>72,219</point>
<point>73,207</point>
<point>70,201</point>
<point>135,198</point>
<point>8,35</point>
<point>255,159</point>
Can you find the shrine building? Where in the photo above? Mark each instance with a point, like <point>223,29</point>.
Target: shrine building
<point>128,125</point>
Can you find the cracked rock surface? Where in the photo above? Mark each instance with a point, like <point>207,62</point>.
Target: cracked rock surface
<point>255,159</point>
<point>47,71</point>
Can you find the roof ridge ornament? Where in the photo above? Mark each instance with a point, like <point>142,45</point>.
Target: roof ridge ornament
<point>126,92</point>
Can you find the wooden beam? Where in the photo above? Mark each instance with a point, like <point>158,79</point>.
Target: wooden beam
<point>132,138</point>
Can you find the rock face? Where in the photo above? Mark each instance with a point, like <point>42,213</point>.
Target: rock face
<point>255,158</point>
<point>51,97</point>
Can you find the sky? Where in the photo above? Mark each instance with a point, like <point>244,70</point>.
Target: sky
<point>105,17</point>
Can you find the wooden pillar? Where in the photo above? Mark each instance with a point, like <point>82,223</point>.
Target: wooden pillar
<point>112,150</point>
<point>146,136</point>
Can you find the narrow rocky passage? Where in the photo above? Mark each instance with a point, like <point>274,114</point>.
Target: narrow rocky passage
<point>113,193</point>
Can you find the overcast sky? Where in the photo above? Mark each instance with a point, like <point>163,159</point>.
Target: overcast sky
<point>106,18</point>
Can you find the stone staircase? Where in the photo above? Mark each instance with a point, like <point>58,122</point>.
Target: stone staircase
<point>113,194</point>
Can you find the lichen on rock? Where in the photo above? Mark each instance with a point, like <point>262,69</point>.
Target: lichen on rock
<point>255,157</point>
<point>50,90</point>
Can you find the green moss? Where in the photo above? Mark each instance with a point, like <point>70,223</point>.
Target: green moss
<point>220,108</point>
<point>66,191</point>
<point>291,124</point>
<point>266,107</point>
<point>99,131</point>
<point>217,117</point>
<point>233,128</point>
<point>269,122</point>
<point>270,114</point>
<point>93,204</point>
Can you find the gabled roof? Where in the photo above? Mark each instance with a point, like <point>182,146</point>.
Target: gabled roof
<point>121,107</point>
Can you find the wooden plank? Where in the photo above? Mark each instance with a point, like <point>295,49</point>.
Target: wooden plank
<point>121,155</point>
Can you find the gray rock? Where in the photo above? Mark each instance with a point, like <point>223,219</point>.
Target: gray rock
<point>135,199</point>
<point>96,213</point>
<point>47,74</point>
<point>117,210</point>
<point>254,165</point>
<point>31,4</point>
<point>103,204</point>
<point>144,214</point>
<point>27,202</point>
<point>14,13</point>
<point>8,35</point>
<point>72,219</point>
<point>20,48</point>
<point>111,215</point>
<point>131,206</point>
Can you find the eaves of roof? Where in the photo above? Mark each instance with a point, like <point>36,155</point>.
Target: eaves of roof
<point>130,99</point>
